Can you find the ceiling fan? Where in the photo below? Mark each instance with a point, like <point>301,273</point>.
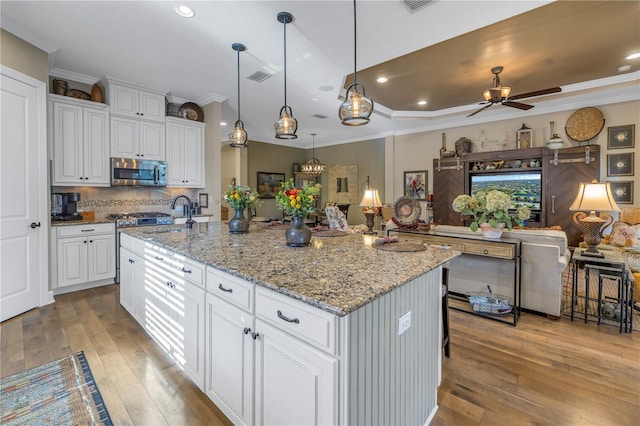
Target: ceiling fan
<point>499,94</point>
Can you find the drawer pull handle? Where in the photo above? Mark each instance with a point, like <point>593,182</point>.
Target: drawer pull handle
<point>287,319</point>
<point>186,271</point>
<point>485,251</point>
<point>255,336</point>
<point>246,330</point>
<point>87,230</point>
<point>171,285</point>
<point>228,290</point>
<point>158,258</point>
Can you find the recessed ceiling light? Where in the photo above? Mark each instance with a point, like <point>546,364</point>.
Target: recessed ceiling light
<point>325,88</point>
<point>624,68</point>
<point>423,102</point>
<point>382,79</point>
<point>633,56</point>
<point>223,123</point>
<point>184,11</point>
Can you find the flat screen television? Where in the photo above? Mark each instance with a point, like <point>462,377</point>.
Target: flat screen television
<point>524,188</point>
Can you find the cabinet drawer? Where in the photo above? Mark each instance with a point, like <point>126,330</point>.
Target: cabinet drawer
<point>310,324</point>
<point>505,251</point>
<point>190,270</point>
<point>127,241</point>
<point>230,288</point>
<point>88,229</point>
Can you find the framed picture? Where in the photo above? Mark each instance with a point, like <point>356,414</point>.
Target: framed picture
<point>203,199</point>
<point>269,184</point>
<point>415,184</point>
<point>622,192</point>
<point>620,164</point>
<point>621,137</point>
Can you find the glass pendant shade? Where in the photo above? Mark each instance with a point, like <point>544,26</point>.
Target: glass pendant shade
<point>238,137</point>
<point>286,126</point>
<point>356,108</point>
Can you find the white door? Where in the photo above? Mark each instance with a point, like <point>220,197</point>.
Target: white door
<point>23,194</point>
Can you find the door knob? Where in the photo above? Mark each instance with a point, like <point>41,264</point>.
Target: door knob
<point>34,225</point>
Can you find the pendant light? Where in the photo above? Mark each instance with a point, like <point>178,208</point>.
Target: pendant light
<point>356,108</point>
<point>313,167</point>
<point>286,126</point>
<point>238,136</point>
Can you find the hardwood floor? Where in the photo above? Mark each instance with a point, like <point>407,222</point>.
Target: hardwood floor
<point>540,372</point>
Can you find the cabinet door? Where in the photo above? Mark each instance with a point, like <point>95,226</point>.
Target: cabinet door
<point>124,137</point>
<point>96,147</point>
<point>123,100</point>
<point>562,182</point>
<point>193,157</point>
<point>72,261</point>
<point>295,383</point>
<point>101,254</point>
<point>175,155</point>
<point>447,185</point>
<point>140,292</point>
<point>67,144</point>
<point>152,106</point>
<point>152,141</point>
<point>127,277</point>
<point>230,359</point>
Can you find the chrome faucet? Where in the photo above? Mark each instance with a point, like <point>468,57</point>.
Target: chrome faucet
<point>190,221</point>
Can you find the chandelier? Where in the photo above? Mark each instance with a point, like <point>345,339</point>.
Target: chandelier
<point>313,167</point>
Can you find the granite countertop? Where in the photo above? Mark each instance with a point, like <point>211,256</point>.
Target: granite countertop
<point>337,274</point>
<point>81,222</point>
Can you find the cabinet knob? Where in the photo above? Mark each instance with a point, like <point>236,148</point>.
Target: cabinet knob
<point>141,155</point>
<point>246,330</point>
<point>84,242</point>
<point>90,241</point>
<point>170,284</point>
<point>485,251</point>
<point>86,178</point>
<point>81,178</point>
<point>255,336</point>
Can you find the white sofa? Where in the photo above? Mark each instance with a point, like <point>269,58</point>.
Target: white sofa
<point>544,256</point>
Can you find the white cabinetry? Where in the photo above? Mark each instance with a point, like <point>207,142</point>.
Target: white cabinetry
<point>260,371</point>
<point>80,142</point>
<point>132,101</point>
<point>185,153</point>
<point>82,254</point>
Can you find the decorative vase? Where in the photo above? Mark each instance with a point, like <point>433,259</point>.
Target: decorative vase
<point>490,232</point>
<point>239,224</point>
<point>298,234</point>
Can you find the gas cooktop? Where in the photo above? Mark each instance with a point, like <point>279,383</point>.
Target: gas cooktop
<point>141,218</point>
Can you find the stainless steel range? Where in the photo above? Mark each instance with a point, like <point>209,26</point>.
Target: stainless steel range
<point>124,220</point>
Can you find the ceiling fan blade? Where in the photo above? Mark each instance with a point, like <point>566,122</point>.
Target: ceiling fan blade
<point>481,109</point>
<point>517,105</point>
<point>536,93</point>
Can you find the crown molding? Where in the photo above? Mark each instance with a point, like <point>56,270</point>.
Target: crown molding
<point>73,76</point>
<point>211,97</point>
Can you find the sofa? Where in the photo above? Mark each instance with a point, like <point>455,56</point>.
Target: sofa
<point>544,258</point>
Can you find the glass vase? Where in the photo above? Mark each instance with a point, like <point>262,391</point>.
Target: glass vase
<point>490,232</point>
<point>239,224</point>
<point>298,234</point>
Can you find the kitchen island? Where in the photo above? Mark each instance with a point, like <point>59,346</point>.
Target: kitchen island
<point>338,332</point>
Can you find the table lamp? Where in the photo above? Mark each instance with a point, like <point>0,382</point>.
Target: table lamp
<point>371,202</point>
<point>593,197</point>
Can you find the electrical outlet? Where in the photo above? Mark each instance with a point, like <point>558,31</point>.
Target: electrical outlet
<point>404,322</point>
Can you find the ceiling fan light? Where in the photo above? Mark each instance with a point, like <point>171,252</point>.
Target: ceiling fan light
<point>486,95</point>
<point>506,91</point>
<point>238,137</point>
<point>356,108</point>
<point>286,126</point>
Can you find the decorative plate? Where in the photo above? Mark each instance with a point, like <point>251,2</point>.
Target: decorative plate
<point>406,210</point>
<point>191,111</point>
<point>585,124</point>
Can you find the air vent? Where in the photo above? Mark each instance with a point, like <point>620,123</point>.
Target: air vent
<point>320,116</point>
<point>414,5</point>
<point>258,76</point>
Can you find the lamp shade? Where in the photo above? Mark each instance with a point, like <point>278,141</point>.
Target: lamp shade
<point>371,198</point>
<point>595,196</point>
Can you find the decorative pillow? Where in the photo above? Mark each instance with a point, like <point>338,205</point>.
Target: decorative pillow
<point>625,235</point>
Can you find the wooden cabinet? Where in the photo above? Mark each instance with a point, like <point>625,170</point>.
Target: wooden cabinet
<point>83,254</point>
<point>133,138</point>
<point>131,101</point>
<point>185,153</point>
<point>80,142</point>
<point>564,172</point>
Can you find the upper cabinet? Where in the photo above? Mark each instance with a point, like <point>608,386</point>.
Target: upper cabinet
<point>185,153</point>
<point>130,101</point>
<point>80,142</point>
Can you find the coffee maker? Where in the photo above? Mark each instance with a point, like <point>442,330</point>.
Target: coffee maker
<point>64,206</point>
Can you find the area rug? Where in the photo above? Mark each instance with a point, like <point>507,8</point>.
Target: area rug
<point>60,392</point>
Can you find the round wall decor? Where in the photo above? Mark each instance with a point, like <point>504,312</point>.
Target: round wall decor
<point>585,124</point>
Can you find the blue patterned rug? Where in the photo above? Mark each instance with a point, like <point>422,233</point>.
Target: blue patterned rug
<point>60,392</point>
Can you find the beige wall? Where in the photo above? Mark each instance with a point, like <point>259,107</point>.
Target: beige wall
<point>212,156</point>
<point>416,151</point>
<point>24,57</point>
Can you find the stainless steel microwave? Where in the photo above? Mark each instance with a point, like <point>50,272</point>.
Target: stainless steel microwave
<point>135,172</point>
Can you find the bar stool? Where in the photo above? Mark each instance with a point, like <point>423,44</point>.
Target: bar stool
<point>445,312</point>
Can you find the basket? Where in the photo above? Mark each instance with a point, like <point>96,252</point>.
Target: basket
<point>489,302</point>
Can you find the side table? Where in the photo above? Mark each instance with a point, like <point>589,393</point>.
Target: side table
<point>612,266</point>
